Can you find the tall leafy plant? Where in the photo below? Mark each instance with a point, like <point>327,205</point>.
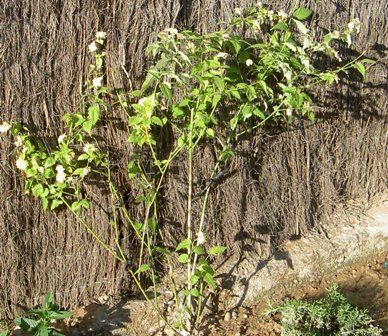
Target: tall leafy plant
<point>213,88</point>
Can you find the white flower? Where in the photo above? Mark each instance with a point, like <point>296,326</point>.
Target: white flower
<point>282,15</point>
<point>288,75</point>
<point>248,62</point>
<point>89,148</point>
<point>270,15</point>
<point>19,141</point>
<point>61,138</point>
<point>336,55</point>
<point>101,35</point>
<point>200,238</point>
<point>354,26</point>
<point>41,169</point>
<point>238,11</point>
<point>190,45</point>
<point>85,171</point>
<point>97,82</point>
<point>222,55</point>
<point>61,176</point>
<point>289,112</point>
<point>259,4</point>
<point>171,31</point>
<point>224,36</point>
<point>256,26</point>
<point>21,164</point>
<point>92,47</point>
<point>4,127</point>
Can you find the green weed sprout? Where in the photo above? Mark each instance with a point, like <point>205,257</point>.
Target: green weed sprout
<point>45,317</point>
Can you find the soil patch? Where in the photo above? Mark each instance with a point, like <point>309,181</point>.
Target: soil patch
<point>364,284</point>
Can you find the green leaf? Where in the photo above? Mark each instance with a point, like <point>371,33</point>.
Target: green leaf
<point>235,94</point>
<point>150,79</point>
<point>78,171</point>
<point>265,87</point>
<point>45,203</point>
<point>43,330</point>
<point>302,13</point>
<point>166,91</point>
<point>50,161</point>
<point>55,204</point>
<point>311,116</point>
<point>83,157</point>
<point>220,83</point>
<point>280,26</point>
<point>195,292</point>
<point>328,77</point>
<point>87,126</point>
<point>4,333</point>
<point>301,27</point>
<point>183,258</point>
<point>210,133</point>
<point>134,120</point>
<point>182,140</point>
<point>177,112</point>
<point>157,121</point>
<point>37,190</point>
<point>84,203</point>
<point>208,278</point>
<point>94,113</point>
<point>184,244</point>
<point>258,113</point>
<point>368,60</point>
<point>216,99</point>
<point>360,67</point>
<point>59,315</point>
<point>48,298</point>
<point>194,279</point>
<point>48,173</point>
<point>215,250</point>
<point>142,268</point>
<point>152,224</point>
<point>133,170</point>
<point>26,323</point>
<point>78,204</point>
<point>198,250</point>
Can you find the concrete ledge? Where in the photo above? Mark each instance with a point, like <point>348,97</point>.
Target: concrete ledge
<point>351,239</point>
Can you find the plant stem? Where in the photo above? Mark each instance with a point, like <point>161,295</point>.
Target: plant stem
<point>95,236</point>
<point>189,211</point>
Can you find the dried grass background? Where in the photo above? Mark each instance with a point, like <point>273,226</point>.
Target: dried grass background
<point>280,185</point>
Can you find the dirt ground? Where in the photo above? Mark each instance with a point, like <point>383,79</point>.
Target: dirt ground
<point>365,285</point>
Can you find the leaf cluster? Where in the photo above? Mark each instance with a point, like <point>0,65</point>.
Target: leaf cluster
<point>332,315</point>
<point>40,326</point>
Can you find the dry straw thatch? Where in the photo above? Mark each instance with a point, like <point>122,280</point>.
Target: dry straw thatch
<point>281,184</point>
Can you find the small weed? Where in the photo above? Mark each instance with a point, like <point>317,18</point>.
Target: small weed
<point>332,315</point>
<point>46,315</point>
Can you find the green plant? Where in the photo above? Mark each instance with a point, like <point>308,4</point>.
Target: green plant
<point>45,317</point>
<point>332,315</point>
<point>202,88</point>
